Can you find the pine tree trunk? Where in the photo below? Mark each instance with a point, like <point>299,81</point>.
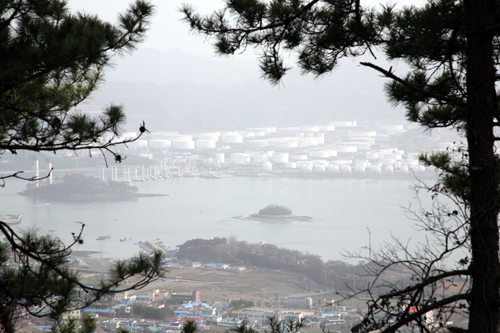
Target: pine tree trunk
<point>481,106</point>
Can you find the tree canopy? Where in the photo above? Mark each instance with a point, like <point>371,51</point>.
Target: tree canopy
<point>275,210</point>
<point>50,61</point>
<point>452,50</point>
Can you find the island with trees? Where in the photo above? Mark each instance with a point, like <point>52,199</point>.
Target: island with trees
<point>82,186</point>
<point>274,213</point>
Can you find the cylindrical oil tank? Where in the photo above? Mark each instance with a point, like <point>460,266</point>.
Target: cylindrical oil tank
<point>181,138</point>
<point>387,161</point>
<point>393,156</point>
<point>290,165</point>
<point>320,154</point>
<point>232,138</point>
<point>363,163</point>
<point>359,169</point>
<point>333,153</point>
<point>332,168</point>
<point>220,157</point>
<point>260,157</point>
<point>159,144</point>
<point>183,144</point>
<point>372,155</point>
<point>257,143</point>
<point>248,134</point>
<point>280,157</point>
<point>260,133</point>
<point>303,142</point>
<point>319,169</point>
<point>208,136</point>
<point>313,141</point>
<point>340,162</point>
<point>405,169</point>
<point>267,167</point>
<point>284,144</point>
<point>299,157</point>
<point>321,138</point>
<point>205,144</point>
<point>345,148</point>
<point>345,169</point>
<point>327,128</point>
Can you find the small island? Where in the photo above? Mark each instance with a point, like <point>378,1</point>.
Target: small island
<point>274,213</point>
<point>81,186</point>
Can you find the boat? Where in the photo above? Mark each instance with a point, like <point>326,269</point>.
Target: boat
<point>104,237</point>
<point>123,240</point>
<point>11,218</point>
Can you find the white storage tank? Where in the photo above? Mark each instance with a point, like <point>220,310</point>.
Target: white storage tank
<point>220,157</point>
<point>306,168</point>
<point>267,167</point>
<point>405,169</point>
<point>375,169</point>
<point>285,143</point>
<point>327,128</point>
<point>332,168</point>
<point>299,157</point>
<point>183,144</point>
<point>345,148</point>
<point>372,156</point>
<point>333,153</point>
<point>247,134</point>
<point>260,157</point>
<point>159,144</point>
<point>232,138</point>
<point>303,142</point>
<point>280,157</point>
<point>319,169</point>
<point>359,169</point>
<point>389,169</point>
<point>313,141</point>
<point>345,168</point>
<point>290,165</point>
<point>181,138</point>
<point>205,144</point>
<point>320,154</point>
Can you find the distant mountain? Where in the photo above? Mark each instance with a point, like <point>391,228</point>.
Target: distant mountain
<point>183,92</point>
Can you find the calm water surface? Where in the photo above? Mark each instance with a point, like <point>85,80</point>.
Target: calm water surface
<point>341,209</point>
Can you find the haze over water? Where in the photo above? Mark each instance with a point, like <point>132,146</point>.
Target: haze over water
<point>341,208</point>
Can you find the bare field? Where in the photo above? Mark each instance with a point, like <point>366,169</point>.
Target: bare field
<point>219,284</point>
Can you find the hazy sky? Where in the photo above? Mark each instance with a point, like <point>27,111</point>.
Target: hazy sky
<point>167,32</point>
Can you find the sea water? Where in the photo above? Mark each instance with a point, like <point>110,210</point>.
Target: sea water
<point>341,209</point>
